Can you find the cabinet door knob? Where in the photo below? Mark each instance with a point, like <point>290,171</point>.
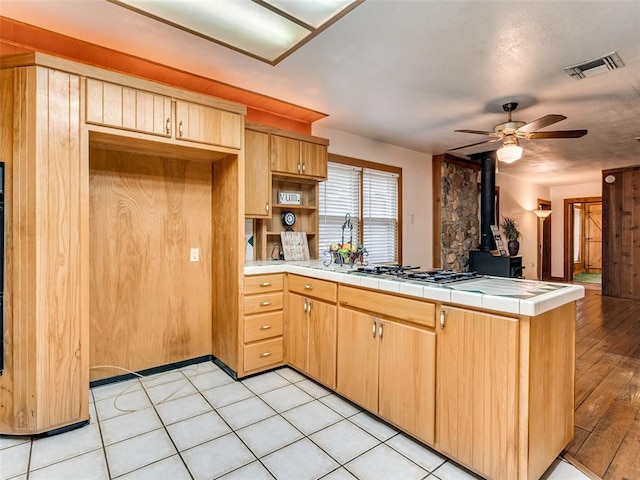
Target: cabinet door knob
<point>265,327</point>
<point>373,327</point>
<point>265,284</point>
<point>264,304</point>
<point>265,354</point>
<point>180,128</point>
<point>168,126</point>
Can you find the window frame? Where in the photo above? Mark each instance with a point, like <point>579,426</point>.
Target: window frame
<point>366,164</point>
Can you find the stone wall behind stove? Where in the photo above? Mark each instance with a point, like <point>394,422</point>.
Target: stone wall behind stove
<point>460,221</point>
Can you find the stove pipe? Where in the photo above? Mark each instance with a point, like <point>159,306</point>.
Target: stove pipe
<point>487,198</point>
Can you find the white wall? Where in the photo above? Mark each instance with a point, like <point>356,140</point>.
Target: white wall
<point>417,199</point>
<point>558,195</point>
<point>518,199</point>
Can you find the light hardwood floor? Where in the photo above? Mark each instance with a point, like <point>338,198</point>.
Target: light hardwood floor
<point>607,398</point>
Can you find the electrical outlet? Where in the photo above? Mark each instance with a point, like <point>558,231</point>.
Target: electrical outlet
<point>412,218</point>
<point>194,255</point>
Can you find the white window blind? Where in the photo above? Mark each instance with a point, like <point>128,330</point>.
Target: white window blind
<point>346,188</point>
<point>339,195</point>
<point>380,216</point>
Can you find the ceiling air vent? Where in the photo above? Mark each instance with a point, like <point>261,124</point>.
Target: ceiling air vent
<point>594,67</point>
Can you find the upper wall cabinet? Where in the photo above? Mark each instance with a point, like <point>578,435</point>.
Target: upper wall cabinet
<point>198,123</point>
<point>131,109</point>
<point>257,203</point>
<point>136,110</point>
<point>298,157</point>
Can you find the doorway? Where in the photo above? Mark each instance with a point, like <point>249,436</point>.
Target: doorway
<point>583,239</point>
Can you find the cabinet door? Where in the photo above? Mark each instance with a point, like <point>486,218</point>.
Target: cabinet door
<point>257,177</point>
<point>314,160</point>
<point>198,123</point>
<point>285,155</point>
<point>127,108</point>
<point>297,331</point>
<point>476,397</point>
<point>357,377</point>
<point>322,342</point>
<point>407,378</point>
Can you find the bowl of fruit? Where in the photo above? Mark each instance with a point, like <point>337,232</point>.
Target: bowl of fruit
<point>346,253</point>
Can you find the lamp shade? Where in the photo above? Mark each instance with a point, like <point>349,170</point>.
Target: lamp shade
<point>542,213</point>
<point>509,153</point>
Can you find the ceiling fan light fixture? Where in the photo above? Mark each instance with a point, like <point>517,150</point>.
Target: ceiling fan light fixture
<point>509,152</point>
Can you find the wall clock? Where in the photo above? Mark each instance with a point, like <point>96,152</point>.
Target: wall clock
<point>288,219</point>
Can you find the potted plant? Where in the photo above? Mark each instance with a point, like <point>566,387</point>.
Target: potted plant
<point>512,234</point>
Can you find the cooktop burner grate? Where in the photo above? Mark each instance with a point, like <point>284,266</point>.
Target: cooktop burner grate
<point>415,274</point>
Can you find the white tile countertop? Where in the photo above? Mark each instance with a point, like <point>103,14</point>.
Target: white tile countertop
<point>506,295</point>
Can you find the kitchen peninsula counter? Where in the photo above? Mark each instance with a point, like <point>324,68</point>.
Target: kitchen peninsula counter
<point>483,369</point>
<point>505,295</point>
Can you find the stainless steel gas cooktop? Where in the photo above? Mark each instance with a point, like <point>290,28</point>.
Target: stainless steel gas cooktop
<point>414,274</point>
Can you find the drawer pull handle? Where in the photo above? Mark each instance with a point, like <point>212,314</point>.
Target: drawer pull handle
<point>265,284</point>
<point>373,328</point>
<point>265,327</point>
<point>443,313</point>
<point>308,287</point>
<point>265,354</point>
<point>264,304</point>
<point>306,306</point>
<point>168,126</point>
<point>380,330</point>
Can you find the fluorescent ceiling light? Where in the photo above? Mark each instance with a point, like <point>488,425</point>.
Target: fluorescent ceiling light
<point>267,30</point>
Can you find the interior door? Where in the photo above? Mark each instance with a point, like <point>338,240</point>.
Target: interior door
<point>593,237</point>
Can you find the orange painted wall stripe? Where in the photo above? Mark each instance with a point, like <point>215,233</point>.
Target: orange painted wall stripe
<point>18,37</point>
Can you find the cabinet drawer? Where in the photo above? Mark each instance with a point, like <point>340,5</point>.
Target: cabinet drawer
<point>312,287</point>
<point>263,303</point>
<point>263,284</point>
<point>414,311</point>
<point>262,354</point>
<point>263,325</point>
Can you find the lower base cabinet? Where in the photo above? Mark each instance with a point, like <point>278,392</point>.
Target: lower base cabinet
<point>311,337</point>
<point>389,369</point>
<point>476,400</point>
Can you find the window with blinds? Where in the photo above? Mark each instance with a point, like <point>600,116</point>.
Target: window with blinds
<point>370,196</point>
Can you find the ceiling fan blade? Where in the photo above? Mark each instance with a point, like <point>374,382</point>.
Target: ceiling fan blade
<point>479,132</point>
<point>474,144</point>
<point>559,134</point>
<point>541,123</point>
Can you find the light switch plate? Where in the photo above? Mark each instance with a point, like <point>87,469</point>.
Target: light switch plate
<point>194,255</point>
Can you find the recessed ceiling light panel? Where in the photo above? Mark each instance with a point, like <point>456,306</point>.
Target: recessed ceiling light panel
<point>266,30</point>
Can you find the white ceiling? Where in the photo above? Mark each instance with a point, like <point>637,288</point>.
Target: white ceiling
<point>410,72</point>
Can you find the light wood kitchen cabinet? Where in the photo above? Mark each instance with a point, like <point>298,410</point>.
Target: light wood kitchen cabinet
<point>263,322</point>
<point>202,124</point>
<point>386,366</point>
<point>257,203</point>
<point>45,381</point>
<point>476,400</point>
<point>298,157</point>
<point>118,106</point>
<point>311,328</point>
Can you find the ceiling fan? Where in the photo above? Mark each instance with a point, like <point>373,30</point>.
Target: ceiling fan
<point>510,131</point>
